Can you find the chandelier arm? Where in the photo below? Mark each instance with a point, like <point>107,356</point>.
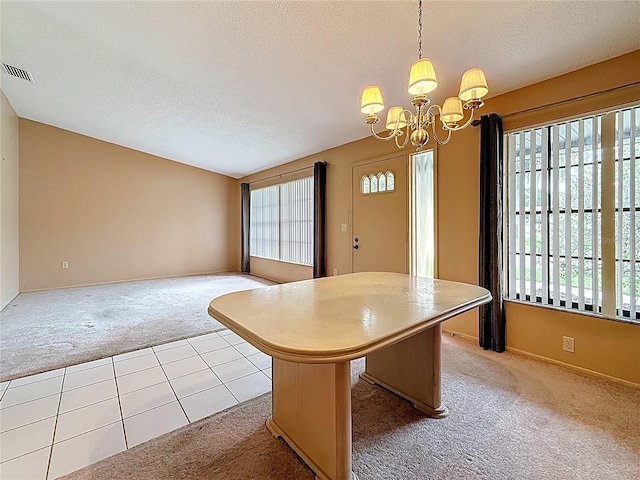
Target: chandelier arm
<point>392,134</point>
<point>460,127</point>
<point>435,135</point>
<point>406,133</point>
<point>432,117</point>
<point>466,124</point>
<point>456,128</point>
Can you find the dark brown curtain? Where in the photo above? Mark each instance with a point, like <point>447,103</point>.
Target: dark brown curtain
<point>492,320</point>
<point>246,219</point>
<point>319,217</point>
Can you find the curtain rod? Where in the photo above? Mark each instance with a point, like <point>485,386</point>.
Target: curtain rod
<point>570,100</point>
<point>280,175</point>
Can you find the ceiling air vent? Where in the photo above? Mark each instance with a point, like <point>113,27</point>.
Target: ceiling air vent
<point>17,72</point>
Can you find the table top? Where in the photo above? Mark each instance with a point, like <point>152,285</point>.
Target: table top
<point>339,318</point>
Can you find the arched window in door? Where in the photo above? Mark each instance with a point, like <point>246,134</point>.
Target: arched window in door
<point>365,185</point>
<point>390,181</point>
<point>377,183</point>
<point>374,183</point>
<point>382,182</point>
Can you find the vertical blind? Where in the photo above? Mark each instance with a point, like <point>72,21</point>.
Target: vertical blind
<point>282,222</point>
<point>573,238</point>
<point>264,228</point>
<point>627,227</point>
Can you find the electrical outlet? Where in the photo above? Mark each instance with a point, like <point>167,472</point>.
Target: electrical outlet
<point>568,344</point>
<point>335,271</point>
<point>65,264</point>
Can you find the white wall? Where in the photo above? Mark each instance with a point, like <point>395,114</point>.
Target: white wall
<point>8,203</point>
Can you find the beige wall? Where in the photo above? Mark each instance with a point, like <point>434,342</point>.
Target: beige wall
<point>8,203</point>
<point>117,214</point>
<point>604,346</point>
<point>340,160</point>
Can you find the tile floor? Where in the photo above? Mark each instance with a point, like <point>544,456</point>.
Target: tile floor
<point>59,421</point>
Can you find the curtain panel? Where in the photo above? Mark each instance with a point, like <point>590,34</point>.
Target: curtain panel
<point>492,321</point>
<point>319,219</point>
<point>246,221</point>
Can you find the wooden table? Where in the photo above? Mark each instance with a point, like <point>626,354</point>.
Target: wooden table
<point>314,328</point>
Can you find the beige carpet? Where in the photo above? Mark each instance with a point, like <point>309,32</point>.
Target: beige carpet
<point>42,331</point>
<point>511,417</point>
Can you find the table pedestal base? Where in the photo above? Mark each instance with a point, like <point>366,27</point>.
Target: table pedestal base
<point>312,413</point>
<point>411,369</point>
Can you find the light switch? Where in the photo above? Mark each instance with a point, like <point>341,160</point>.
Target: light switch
<point>343,227</point>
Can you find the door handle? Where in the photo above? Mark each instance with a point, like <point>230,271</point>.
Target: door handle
<point>356,247</point>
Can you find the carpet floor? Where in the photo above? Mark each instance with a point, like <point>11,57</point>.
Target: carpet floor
<point>46,330</point>
<point>511,417</point>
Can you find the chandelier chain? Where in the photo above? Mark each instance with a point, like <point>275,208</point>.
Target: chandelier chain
<point>419,29</point>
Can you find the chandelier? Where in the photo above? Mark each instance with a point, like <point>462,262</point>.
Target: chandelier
<point>422,80</point>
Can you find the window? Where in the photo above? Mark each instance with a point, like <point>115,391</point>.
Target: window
<point>390,181</point>
<point>365,186</point>
<point>282,222</point>
<point>422,227</point>
<point>573,222</point>
<point>382,182</point>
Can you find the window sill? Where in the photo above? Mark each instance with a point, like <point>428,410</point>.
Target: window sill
<point>574,312</point>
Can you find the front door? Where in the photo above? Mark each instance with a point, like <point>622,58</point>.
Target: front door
<point>380,216</point>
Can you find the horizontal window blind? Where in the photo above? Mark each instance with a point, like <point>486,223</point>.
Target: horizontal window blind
<point>559,214</point>
<point>282,222</point>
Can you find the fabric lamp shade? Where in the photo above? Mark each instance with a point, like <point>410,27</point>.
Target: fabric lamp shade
<point>392,118</point>
<point>452,110</point>
<point>473,85</point>
<point>422,78</point>
<point>371,100</point>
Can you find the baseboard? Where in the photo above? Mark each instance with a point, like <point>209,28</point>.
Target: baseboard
<point>586,371</point>
<point>7,304</point>
<point>131,280</point>
<point>458,334</point>
<point>593,373</point>
<point>264,278</point>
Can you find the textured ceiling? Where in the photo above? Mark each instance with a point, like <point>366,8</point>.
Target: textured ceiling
<point>235,87</point>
